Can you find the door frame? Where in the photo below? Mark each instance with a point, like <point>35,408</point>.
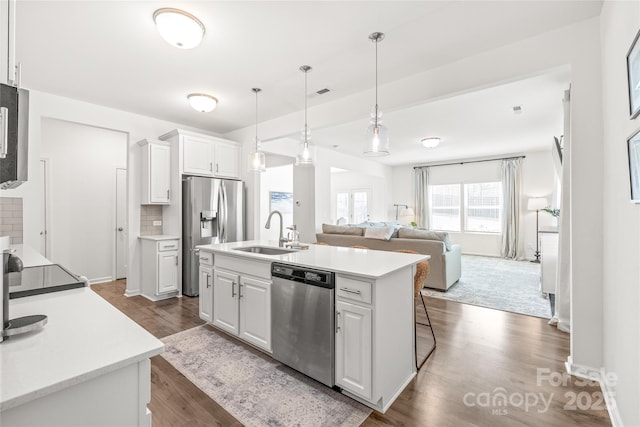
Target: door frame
<point>115,221</point>
<point>46,200</point>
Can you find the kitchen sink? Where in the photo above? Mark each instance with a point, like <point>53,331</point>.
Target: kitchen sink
<point>265,250</point>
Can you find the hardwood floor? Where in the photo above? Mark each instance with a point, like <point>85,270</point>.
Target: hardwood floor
<point>481,354</point>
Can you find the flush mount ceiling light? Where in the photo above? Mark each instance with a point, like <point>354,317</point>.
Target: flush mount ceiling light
<point>202,102</point>
<point>179,28</point>
<point>305,157</point>
<point>431,142</point>
<point>257,162</point>
<point>377,142</point>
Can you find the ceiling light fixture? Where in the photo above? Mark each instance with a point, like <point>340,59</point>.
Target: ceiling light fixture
<point>179,28</point>
<point>305,157</point>
<point>202,102</point>
<point>431,142</point>
<point>377,143</point>
<point>257,162</point>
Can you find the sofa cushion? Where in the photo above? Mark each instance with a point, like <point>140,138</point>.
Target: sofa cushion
<point>413,233</point>
<point>380,233</point>
<point>342,229</point>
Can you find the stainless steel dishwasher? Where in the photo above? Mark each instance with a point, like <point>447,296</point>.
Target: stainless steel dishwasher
<point>302,310</point>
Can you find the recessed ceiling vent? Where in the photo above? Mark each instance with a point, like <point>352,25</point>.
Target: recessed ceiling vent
<point>323,91</point>
<point>517,109</point>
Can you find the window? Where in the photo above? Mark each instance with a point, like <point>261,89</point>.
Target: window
<point>353,206</point>
<point>480,210</point>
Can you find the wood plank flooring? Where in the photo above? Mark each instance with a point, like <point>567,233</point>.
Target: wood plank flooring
<point>481,354</point>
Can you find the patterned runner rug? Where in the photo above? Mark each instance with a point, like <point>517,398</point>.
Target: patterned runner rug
<point>254,388</point>
<point>498,283</point>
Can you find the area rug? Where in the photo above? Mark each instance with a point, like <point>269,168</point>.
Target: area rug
<point>498,283</point>
<point>254,388</point>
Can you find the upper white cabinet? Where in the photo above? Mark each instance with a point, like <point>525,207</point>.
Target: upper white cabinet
<point>155,172</point>
<point>206,155</point>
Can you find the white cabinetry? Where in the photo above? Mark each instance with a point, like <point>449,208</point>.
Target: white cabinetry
<point>155,172</point>
<point>205,155</point>
<point>242,299</point>
<point>548,261</point>
<point>160,267</point>
<point>354,337</point>
<point>205,301</point>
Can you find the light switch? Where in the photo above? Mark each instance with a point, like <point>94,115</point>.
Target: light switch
<point>157,223</point>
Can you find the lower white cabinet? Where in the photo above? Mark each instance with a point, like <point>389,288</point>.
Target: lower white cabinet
<point>242,306</point>
<point>353,348</point>
<point>160,268</point>
<point>205,301</point>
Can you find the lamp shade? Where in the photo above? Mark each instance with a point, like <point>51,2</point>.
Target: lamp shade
<point>407,212</point>
<point>537,203</point>
<point>179,28</point>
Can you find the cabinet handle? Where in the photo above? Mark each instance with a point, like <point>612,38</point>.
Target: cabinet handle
<point>208,281</point>
<point>210,166</point>
<point>176,260</point>
<point>216,167</point>
<point>240,291</point>
<point>337,321</point>
<point>168,195</point>
<point>351,291</point>
<point>4,132</point>
<point>233,289</point>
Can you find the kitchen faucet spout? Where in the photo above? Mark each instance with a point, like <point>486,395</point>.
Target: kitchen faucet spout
<point>281,238</point>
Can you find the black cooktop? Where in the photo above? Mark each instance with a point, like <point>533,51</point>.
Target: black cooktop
<point>41,279</point>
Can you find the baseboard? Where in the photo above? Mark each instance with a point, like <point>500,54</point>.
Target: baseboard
<point>131,292</point>
<point>590,373</point>
<point>100,280</point>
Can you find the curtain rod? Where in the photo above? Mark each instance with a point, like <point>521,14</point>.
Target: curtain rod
<point>469,161</point>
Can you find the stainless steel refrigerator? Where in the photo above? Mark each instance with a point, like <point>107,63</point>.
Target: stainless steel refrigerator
<point>212,212</point>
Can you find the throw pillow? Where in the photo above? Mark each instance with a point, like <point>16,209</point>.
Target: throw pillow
<point>412,233</point>
<point>380,233</point>
<point>342,229</point>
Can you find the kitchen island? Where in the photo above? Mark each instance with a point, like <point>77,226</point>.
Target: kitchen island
<point>89,365</point>
<point>374,308</point>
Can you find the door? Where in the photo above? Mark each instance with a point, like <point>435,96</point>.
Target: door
<point>197,156</point>
<point>44,165</point>
<point>205,302</point>
<point>255,312</point>
<point>353,205</point>
<point>160,173</point>
<point>231,215</point>
<point>167,272</point>
<point>353,348</point>
<point>225,301</point>
<point>226,157</point>
<point>121,224</point>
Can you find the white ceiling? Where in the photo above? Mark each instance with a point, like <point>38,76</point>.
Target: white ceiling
<point>109,53</point>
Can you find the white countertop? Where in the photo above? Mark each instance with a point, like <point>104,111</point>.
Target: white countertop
<point>359,262</point>
<point>85,337</point>
<point>29,256</point>
<point>159,237</point>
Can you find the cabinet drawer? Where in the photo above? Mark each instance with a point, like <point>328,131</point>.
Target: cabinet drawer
<point>355,290</point>
<point>168,245</point>
<point>206,258</point>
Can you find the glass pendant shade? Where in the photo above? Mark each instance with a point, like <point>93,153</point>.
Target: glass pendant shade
<point>179,28</point>
<point>377,141</point>
<point>257,159</point>
<point>305,154</point>
<point>305,151</point>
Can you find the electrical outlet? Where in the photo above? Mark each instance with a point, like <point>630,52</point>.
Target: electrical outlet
<point>157,223</point>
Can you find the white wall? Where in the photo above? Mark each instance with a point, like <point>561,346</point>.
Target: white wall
<point>621,282</point>
<point>537,180</point>
<point>137,127</point>
<point>82,162</point>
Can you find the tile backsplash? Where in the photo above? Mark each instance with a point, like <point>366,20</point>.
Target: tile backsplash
<point>149,214</point>
<point>11,222</point>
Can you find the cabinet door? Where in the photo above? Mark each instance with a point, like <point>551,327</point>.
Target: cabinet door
<point>255,312</point>
<point>226,157</point>
<point>205,302</point>
<point>197,156</point>
<point>225,301</point>
<point>353,348</point>
<point>167,272</point>
<point>160,173</point>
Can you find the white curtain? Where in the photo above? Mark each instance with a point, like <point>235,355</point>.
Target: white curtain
<point>511,182</point>
<point>422,196</point>
<point>562,314</point>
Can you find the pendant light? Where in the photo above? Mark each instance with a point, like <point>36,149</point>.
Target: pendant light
<point>377,142</point>
<point>257,161</point>
<point>305,157</point>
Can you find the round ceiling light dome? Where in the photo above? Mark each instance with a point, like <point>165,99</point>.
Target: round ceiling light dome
<point>202,102</point>
<point>431,142</point>
<point>179,28</point>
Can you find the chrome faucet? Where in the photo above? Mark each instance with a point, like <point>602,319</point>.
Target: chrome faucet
<point>281,238</point>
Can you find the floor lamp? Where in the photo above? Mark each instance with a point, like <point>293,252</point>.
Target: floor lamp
<point>536,204</point>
